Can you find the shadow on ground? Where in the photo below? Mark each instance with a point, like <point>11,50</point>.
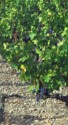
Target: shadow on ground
<point>22,120</point>
<point>15,83</point>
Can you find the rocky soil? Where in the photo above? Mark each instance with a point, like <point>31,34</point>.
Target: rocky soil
<point>23,109</point>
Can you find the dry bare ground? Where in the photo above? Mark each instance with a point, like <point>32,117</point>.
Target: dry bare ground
<point>23,109</point>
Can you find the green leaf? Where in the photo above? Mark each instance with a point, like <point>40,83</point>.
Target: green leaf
<point>32,35</point>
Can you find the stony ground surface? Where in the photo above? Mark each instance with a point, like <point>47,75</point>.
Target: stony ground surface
<point>25,110</point>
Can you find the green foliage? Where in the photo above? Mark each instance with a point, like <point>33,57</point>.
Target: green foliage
<point>35,34</point>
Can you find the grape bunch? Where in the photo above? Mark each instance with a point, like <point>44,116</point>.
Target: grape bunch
<point>41,93</point>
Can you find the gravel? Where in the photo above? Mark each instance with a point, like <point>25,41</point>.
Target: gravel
<point>24,110</point>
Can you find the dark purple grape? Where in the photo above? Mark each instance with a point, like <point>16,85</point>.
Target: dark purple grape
<point>46,93</point>
<point>37,97</point>
<point>42,90</point>
<point>41,95</point>
<point>26,39</point>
